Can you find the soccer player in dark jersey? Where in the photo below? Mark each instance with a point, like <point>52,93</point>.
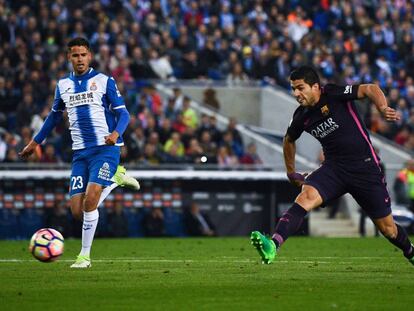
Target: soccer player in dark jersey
<point>351,164</point>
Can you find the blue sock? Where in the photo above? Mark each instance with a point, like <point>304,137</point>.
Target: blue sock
<point>288,224</point>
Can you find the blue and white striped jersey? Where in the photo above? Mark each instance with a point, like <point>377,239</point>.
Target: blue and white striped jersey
<point>91,100</point>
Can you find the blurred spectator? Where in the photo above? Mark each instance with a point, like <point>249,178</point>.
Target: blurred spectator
<point>12,156</point>
<point>197,223</point>
<point>190,118</point>
<point>150,155</point>
<point>215,133</point>
<point>209,147</point>
<point>251,157</point>
<point>194,151</point>
<point>404,185</point>
<point>225,157</point>
<point>191,67</point>
<point>117,221</point>
<point>135,142</point>
<point>237,75</point>
<point>139,67</point>
<point>233,145</point>
<point>403,135</point>
<point>58,219</point>
<point>210,98</point>
<point>165,130</point>
<point>231,127</point>
<point>174,147</point>
<point>153,223</point>
<point>49,155</point>
<point>178,99</point>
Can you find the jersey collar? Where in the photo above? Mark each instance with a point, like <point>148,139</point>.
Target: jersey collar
<point>86,75</point>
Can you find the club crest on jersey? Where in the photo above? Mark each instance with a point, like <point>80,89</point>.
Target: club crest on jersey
<point>93,87</point>
<point>325,110</point>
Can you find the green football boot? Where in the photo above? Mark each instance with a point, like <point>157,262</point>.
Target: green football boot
<point>265,246</point>
<point>124,180</point>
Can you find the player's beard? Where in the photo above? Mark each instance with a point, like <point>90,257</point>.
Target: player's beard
<point>80,69</point>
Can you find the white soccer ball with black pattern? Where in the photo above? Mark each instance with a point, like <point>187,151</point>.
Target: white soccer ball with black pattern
<point>46,245</point>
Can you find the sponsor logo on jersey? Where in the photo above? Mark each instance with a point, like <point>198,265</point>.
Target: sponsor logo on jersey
<point>324,128</point>
<point>80,99</point>
<point>105,172</point>
<point>93,87</point>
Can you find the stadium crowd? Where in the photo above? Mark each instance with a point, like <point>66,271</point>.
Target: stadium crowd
<point>347,41</point>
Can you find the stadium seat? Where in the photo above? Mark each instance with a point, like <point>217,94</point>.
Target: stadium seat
<point>173,222</point>
<point>135,217</point>
<point>102,229</point>
<point>9,225</point>
<point>30,221</point>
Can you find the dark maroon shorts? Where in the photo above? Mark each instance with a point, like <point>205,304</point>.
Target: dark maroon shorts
<point>363,180</point>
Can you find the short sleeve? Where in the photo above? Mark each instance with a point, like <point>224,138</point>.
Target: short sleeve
<point>296,126</point>
<point>58,104</point>
<point>113,94</point>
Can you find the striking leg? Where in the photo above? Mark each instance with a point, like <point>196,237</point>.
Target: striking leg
<point>396,235</point>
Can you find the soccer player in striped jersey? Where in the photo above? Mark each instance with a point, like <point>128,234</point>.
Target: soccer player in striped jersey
<point>97,120</point>
<point>351,164</point>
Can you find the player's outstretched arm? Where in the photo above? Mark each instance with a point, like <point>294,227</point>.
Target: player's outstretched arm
<point>51,121</point>
<point>375,94</point>
<point>28,149</point>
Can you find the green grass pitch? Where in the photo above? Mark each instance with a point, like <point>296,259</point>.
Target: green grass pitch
<point>210,274</point>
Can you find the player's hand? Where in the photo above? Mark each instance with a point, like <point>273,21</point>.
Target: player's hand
<point>28,150</point>
<point>390,114</point>
<point>297,179</point>
<point>111,138</point>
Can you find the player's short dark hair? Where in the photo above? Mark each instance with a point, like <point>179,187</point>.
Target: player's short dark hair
<point>307,73</point>
<point>79,41</point>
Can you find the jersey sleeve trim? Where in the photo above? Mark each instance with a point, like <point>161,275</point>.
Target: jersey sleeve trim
<point>119,107</point>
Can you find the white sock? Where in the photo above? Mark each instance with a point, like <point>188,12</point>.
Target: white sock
<point>105,192</point>
<point>90,222</point>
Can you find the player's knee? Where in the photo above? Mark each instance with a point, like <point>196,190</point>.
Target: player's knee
<point>89,203</point>
<point>308,200</point>
<point>389,231</point>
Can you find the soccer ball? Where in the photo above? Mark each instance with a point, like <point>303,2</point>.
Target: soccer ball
<point>46,245</point>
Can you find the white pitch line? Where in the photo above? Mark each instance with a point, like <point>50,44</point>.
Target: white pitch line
<point>312,260</point>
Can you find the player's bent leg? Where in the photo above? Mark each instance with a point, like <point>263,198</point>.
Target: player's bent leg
<point>288,224</point>
<point>292,219</point>
<point>396,235</point>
